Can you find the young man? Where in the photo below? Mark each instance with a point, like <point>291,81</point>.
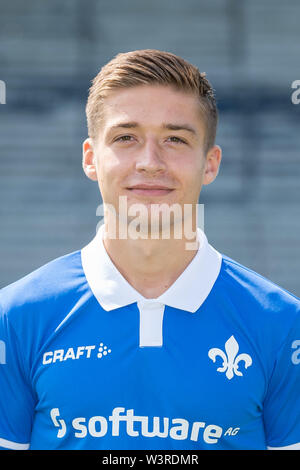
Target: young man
<point>149,342</point>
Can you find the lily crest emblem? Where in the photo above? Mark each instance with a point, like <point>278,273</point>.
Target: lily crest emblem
<point>231,358</point>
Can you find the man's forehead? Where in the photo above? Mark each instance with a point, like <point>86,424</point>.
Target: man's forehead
<point>150,95</point>
<point>151,105</point>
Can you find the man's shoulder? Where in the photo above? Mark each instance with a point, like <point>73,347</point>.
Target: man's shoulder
<point>257,295</point>
<point>248,280</point>
<point>54,280</point>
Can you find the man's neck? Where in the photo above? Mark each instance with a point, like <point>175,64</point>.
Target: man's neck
<point>151,266</point>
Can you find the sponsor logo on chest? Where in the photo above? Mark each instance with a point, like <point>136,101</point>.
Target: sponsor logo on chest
<point>79,352</point>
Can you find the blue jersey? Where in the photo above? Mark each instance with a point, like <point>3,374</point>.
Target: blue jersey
<point>86,362</point>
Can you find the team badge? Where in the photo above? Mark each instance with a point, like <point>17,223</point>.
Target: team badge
<point>231,358</point>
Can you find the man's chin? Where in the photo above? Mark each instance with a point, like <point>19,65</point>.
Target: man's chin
<point>149,228</point>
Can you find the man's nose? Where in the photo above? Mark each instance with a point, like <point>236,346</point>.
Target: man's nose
<point>150,158</point>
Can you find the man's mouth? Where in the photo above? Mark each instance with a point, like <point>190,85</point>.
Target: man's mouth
<point>150,190</point>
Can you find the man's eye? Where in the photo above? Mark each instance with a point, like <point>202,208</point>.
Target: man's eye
<point>176,139</point>
<point>124,138</point>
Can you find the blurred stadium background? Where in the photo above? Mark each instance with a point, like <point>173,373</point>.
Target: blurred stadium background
<point>49,53</point>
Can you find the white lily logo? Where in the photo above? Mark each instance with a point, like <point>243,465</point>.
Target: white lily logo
<point>230,359</point>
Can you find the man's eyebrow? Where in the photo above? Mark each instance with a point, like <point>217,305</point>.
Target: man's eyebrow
<point>180,127</point>
<point>124,125</point>
<point>168,126</point>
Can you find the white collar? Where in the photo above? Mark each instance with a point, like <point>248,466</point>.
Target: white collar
<point>113,291</point>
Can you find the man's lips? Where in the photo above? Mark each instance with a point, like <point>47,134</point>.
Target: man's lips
<point>148,190</point>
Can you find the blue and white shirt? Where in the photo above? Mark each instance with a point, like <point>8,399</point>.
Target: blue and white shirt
<point>86,362</point>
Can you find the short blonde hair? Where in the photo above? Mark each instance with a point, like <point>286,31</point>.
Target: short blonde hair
<point>147,67</point>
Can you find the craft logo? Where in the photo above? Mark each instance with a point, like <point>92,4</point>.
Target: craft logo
<point>2,92</point>
<point>80,352</point>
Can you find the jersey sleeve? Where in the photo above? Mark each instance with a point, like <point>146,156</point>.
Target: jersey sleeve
<point>282,403</point>
<point>16,397</point>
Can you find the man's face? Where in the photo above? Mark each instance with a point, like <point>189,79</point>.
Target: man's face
<point>150,136</point>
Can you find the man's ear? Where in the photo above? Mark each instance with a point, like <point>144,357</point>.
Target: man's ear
<point>212,164</point>
<point>88,159</point>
